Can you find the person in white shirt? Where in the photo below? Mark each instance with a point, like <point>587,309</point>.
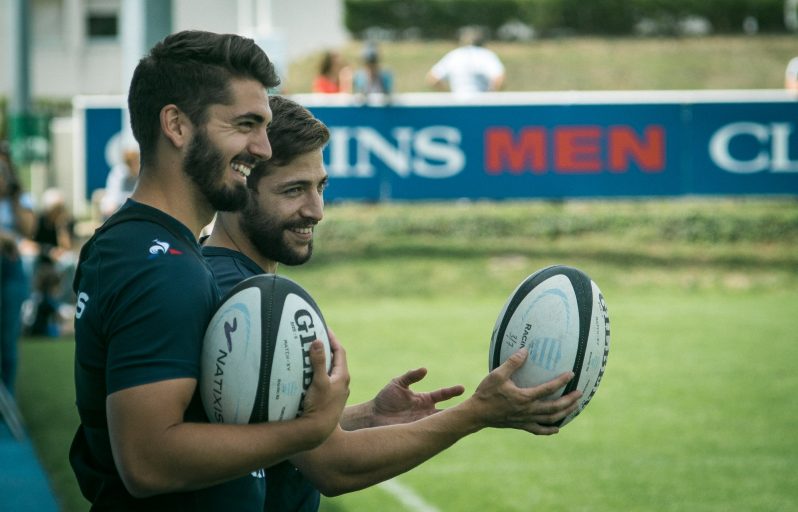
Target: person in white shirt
<point>791,75</point>
<point>121,180</point>
<point>469,69</point>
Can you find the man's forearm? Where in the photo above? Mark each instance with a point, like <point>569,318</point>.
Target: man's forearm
<point>358,416</point>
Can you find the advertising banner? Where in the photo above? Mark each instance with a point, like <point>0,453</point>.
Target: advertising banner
<point>534,145</point>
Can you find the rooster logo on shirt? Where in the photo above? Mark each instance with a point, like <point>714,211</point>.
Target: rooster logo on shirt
<point>157,248</point>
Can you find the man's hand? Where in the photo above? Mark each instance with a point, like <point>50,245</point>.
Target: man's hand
<point>500,403</point>
<point>327,394</point>
<point>397,403</point>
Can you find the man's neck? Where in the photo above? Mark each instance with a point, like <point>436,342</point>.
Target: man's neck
<point>226,233</point>
<point>175,196</point>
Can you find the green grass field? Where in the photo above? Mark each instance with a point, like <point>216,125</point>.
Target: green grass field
<point>696,410</point>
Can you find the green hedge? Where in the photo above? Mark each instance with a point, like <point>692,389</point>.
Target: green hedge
<point>435,19</point>
<point>442,18</point>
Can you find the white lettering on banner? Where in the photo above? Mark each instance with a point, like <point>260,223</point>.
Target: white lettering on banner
<point>369,141</point>
<point>428,144</point>
<point>339,154</point>
<point>431,152</point>
<point>780,149</point>
<point>777,159</point>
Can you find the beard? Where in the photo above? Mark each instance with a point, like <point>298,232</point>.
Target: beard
<point>206,166</point>
<point>266,235</point>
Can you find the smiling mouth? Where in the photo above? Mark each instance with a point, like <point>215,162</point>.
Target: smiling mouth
<point>242,168</point>
<point>308,230</point>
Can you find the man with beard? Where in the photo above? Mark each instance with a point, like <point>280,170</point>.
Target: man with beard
<point>399,429</point>
<point>199,110</point>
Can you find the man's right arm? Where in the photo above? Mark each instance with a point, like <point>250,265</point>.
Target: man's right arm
<point>157,452</point>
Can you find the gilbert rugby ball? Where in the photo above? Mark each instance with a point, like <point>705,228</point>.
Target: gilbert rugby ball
<point>558,314</point>
<point>255,365</point>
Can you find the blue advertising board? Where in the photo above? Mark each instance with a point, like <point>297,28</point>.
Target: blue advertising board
<point>538,146</point>
<point>744,149</point>
<point>102,126</point>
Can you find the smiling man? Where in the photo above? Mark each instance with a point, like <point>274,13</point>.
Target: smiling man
<point>199,110</point>
<point>286,200</point>
<point>399,429</point>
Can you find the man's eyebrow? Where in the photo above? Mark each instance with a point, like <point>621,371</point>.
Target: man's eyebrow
<point>293,183</point>
<point>303,182</point>
<point>251,116</point>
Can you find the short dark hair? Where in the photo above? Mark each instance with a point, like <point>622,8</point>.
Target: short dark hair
<point>191,69</point>
<point>293,131</point>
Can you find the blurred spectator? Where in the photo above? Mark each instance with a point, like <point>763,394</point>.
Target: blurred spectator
<point>334,76</point>
<point>54,240</point>
<point>470,68</point>
<point>121,180</point>
<point>17,221</point>
<point>55,225</point>
<point>372,78</point>
<point>44,313</point>
<point>791,75</point>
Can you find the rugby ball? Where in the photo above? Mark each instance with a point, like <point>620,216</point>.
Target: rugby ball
<point>560,316</point>
<point>255,365</point>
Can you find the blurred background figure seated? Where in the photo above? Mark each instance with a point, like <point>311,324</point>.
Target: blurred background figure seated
<point>121,180</point>
<point>43,313</point>
<point>47,310</point>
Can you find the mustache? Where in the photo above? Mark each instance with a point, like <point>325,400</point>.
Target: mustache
<point>300,224</point>
<point>247,159</point>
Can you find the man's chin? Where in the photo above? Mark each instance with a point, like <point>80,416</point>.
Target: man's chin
<point>230,199</point>
<point>295,258</point>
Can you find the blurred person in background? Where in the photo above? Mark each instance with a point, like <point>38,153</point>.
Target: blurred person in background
<point>54,225</point>
<point>334,76</point>
<point>469,69</point>
<point>43,314</point>
<point>49,309</point>
<point>121,180</point>
<point>372,78</point>
<point>791,75</point>
<point>54,240</point>
<point>17,221</point>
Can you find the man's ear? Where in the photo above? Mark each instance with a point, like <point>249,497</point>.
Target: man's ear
<point>175,125</point>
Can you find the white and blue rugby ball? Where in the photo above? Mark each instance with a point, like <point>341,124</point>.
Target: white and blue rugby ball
<point>560,316</point>
<point>255,365</point>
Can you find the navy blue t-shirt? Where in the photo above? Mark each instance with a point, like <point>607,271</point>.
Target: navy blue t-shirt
<point>144,298</point>
<point>287,490</point>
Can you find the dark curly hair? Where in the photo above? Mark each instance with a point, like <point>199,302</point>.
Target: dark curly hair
<point>293,131</point>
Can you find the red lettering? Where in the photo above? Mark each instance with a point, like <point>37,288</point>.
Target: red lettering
<point>503,153</point>
<point>624,146</point>
<point>577,149</point>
